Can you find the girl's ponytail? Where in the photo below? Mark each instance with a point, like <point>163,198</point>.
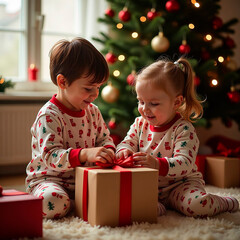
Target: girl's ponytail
<point>191,109</point>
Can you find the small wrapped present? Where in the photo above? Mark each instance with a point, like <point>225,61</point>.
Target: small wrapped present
<point>223,172</point>
<point>200,162</point>
<point>20,214</point>
<point>116,196</point>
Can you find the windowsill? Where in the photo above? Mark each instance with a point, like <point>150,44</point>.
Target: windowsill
<point>29,91</point>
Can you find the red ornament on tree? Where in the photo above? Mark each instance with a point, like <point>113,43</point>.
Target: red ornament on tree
<point>131,78</point>
<point>172,6</point>
<point>196,81</point>
<point>110,12</point>
<point>112,124</point>
<point>234,96</point>
<point>205,55</point>
<point>124,15</point>
<point>111,58</point>
<point>152,14</point>
<point>217,22</point>
<point>184,48</point>
<point>229,42</point>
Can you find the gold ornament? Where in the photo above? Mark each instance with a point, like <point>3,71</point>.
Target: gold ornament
<point>160,43</point>
<point>110,93</point>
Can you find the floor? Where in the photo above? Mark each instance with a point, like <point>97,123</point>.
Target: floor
<point>16,182</point>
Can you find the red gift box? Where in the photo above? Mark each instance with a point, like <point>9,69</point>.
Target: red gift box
<point>201,162</point>
<point>20,215</point>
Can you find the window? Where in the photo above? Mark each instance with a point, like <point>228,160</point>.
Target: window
<point>29,28</point>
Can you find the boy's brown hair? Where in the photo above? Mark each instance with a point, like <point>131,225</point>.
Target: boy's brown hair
<point>75,59</point>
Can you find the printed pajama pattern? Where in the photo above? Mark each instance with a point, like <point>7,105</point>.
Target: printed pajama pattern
<point>191,199</point>
<point>56,201</point>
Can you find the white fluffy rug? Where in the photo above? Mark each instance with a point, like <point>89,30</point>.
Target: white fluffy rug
<point>172,226</point>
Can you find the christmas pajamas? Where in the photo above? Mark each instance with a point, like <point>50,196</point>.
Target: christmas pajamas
<point>191,199</point>
<point>56,200</point>
<point>58,136</point>
<point>175,147</point>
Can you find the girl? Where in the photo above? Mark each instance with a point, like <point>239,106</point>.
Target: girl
<point>164,138</point>
<point>69,130</point>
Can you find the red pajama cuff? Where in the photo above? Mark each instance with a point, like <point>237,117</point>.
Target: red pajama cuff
<point>163,166</point>
<point>110,146</point>
<point>74,157</point>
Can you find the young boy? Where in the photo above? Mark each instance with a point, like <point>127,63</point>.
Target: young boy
<point>69,130</point>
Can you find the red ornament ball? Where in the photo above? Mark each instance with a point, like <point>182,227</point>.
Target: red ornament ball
<point>152,14</point>
<point>172,6</point>
<point>217,22</point>
<point>234,96</point>
<point>229,42</point>
<point>131,79</point>
<point>184,49</point>
<point>124,15</point>
<point>110,12</point>
<point>112,124</point>
<point>196,81</point>
<point>116,138</point>
<point>205,55</point>
<point>111,58</point>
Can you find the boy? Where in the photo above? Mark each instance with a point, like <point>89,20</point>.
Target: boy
<point>69,130</point>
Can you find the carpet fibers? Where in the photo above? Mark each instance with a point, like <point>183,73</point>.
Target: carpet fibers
<point>172,226</point>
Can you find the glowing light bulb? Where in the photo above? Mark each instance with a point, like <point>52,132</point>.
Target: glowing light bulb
<point>214,82</point>
<point>221,59</point>
<point>191,26</point>
<point>193,1</point>
<point>197,5</point>
<point>134,35</point>
<point>208,37</point>
<point>119,25</point>
<point>121,57</point>
<point>143,19</point>
<point>116,73</point>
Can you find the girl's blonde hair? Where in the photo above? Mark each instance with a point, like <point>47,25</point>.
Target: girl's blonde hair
<point>178,78</point>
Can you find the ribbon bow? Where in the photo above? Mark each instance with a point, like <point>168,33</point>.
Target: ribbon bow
<point>223,150</point>
<point>126,163</point>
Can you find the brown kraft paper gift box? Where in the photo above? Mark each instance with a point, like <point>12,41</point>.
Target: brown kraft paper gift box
<point>223,172</point>
<point>104,195</point>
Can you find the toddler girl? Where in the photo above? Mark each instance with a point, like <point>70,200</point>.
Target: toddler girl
<point>164,138</point>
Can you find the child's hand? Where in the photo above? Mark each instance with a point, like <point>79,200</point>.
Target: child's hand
<point>124,154</point>
<point>97,154</point>
<point>145,160</point>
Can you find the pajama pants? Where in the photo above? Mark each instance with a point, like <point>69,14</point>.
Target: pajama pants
<point>56,199</point>
<point>191,199</point>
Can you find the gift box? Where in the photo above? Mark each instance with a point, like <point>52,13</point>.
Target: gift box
<point>223,172</point>
<point>200,162</point>
<point>116,197</point>
<point>20,214</point>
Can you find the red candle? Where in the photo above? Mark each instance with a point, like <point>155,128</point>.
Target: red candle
<point>32,73</point>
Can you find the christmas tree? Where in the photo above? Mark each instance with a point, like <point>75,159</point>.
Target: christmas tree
<point>142,31</point>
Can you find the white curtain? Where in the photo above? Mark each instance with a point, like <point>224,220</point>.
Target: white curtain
<point>89,26</point>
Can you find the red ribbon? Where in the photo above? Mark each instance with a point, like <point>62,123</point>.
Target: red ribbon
<point>10,192</point>
<point>125,205</point>
<point>126,163</point>
<point>223,150</point>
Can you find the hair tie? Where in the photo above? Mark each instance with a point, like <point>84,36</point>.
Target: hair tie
<point>180,65</point>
